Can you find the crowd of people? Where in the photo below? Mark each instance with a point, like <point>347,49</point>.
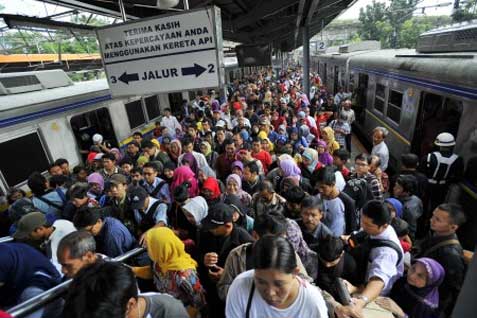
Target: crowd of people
<point>246,207</point>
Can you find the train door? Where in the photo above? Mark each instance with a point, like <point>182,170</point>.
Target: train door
<point>85,125</point>
<point>336,83</point>
<point>175,100</point>
<point>361,97</point>
<point>436,114</point>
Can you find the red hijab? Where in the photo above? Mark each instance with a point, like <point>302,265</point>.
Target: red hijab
<point>212,185</point>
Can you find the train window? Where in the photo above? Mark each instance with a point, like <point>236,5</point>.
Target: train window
<point>29,155</point>
<point>152,107</point>
<point>175,100</point>
<point>380,97</point>
<point>394,105</point>
<point>135,114</point>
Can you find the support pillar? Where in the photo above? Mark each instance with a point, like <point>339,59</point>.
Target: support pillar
<point>306,59</point>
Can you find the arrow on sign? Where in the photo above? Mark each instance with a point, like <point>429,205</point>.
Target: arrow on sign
<point>126,78</point>
<point>196,69</point>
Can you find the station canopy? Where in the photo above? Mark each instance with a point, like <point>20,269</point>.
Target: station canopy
<point>245,21</point>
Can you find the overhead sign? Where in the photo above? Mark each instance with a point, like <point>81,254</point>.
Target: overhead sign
<point>177,52</point>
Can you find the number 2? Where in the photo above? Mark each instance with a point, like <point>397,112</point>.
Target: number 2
<point>211,68</point>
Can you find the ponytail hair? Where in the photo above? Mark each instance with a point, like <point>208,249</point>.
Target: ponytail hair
<point>274,252</point>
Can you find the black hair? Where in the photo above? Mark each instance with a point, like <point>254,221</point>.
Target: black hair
<point>326,176</point>
<point>150,165</point>
<point>135,143</point>
<point>377,211</point>
<point>37,183</point>
<point>294,194</point>
<point>363,157</point>
<point>311,202</point>
<point>78,243</point>
<point>58,181</point>
<point>167,109</point>
<point>137,133</point>
<point>400,226</point>
<point>136,170</point>
<point>100,290</point>
<point>61,161</point>
<point>181,193</point>
<point>85,217</point>
<point>455,212</point>
<point>407,182</point>
<point>228,141</point>
<point>126,160</point>
<point>12,191</point>
<point>79,168</point>
<point>53,165</point>
<point>270,223</point>
<point>265,185</point>
<point>147,144</point>
<point>256,139</point>
<point>274,252</point>
<point>341,153</point>
<point>330,248</point>
<point>78,191</point>
<point>109,156</point>
<point>187,141</point>
<point>410,160</point>
<point>252,166</point>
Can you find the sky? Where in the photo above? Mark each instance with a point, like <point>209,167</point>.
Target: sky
<point>38,8</point>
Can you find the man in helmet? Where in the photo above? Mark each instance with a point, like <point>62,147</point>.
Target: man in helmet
<point>442,167</point>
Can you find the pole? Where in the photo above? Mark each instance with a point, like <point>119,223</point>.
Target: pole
<point>122,9</point>
<point>186,5</point>
<point>306,59</point>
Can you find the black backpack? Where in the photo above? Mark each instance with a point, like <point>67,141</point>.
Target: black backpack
<point>361,255</point>
<point>147,220</point>
<point>359,190</point>
<point>351,214</point>
<point>156,189</point>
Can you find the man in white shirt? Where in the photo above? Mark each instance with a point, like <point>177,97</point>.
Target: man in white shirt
<point>34,226</point>
<point>170,122</point>
<point>380,148</point>
<point>386,264</point>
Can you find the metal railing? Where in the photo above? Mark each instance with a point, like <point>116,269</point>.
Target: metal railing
<point>35,303</point>
<point>6,239</point>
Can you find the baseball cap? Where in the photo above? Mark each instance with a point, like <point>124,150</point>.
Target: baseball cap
<point>118,178</point>
<point>28,223</point>
<point>98,156</point>
<point>218,215</point>
<point>265,122</point>
<point>137,196</point>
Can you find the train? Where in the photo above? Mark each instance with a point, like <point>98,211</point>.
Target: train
<point>414,93</point>
<point>44,116</point>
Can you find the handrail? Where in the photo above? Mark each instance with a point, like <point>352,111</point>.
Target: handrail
<point>33,304</point>
<point>6,239</point>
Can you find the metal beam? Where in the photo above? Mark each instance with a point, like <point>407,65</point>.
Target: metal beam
<point>299,15</point>
<point>261,11</point>
<point>306,59</point>
<point>311,11</point>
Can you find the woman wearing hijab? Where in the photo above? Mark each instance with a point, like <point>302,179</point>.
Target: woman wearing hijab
<point>323,155</point>
<point>290,172</point>
<point>168,172</point>
<point>310,163</point>
<point>400,226</point>
<point>211,191</point>
<point>210,155</point>
<point>416,295</point>
<point>240,216</point>
<point>329,137</point>
<point>175,150</point>
<point>96,186</point>
<point>173,270</point>
<point>185,174</point>
<point>233,185</point>
<point>305,132</point>
<point>188,159</point>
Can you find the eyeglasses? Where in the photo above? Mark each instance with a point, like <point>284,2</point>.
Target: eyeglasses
<point>148,173</point>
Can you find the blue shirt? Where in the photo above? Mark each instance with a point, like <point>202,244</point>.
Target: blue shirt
<point>114,239</point>
<point>164,194</point>
<point>46,208</point>
<point>335,216</point>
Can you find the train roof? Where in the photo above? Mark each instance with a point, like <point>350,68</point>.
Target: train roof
<point>454,67</point>
<point>9,102</point>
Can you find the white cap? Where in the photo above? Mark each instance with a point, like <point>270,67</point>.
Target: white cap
<point>445,139</point>
<point>97,138</point>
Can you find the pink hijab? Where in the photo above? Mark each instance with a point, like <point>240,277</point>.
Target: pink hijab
<point>185,174</point>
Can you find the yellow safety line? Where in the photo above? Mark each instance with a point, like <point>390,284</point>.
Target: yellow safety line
<point>404,140</point>
<point>129,139</point>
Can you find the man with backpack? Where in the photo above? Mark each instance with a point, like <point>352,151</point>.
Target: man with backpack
<point>378,255</point>
<point>155,186</point>
<point>148,211</point>
<point>46,200</point>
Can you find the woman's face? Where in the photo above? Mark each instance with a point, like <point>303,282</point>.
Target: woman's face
<point>417,275</point>
<point>232,186</point>
<point>174,148</point>
<point>237,171</point>
<point>169,173</point>
<point>306,161</point>
<point>203,149</point>
<point>321,150</point>
<point>275,287</point>
<point>392,210</point>
<point>220,136</point>
<point>265,146</point>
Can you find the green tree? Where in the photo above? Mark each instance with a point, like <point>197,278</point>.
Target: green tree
<point>412,28</point>
<point>466,12</point>
<point>369,18</point>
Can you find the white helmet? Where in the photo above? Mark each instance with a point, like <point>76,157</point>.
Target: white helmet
<point>97,138</point>
<point>445,140</point>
